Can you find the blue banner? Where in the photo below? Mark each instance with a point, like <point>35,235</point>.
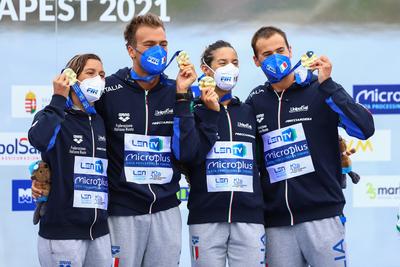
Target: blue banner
<point>379,99</point>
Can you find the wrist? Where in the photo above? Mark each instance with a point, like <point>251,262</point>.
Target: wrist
<point>180,89</point>
<point>213,107</point>
<point>184,96</point>
<point>58,100</point>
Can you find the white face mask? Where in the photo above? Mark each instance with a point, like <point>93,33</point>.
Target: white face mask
<point>92,88</point>
<point>226,76</point>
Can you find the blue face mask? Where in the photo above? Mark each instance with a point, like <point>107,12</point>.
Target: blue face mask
<point>276,67</point>
<point>154,60</point>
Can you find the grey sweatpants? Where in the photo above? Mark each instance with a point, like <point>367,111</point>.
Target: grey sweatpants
<point>75,253</point>
<point>318,243</point>
<point>242,243</point>
<point>147,240</point>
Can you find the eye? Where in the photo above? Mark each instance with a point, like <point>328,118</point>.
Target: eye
<point>222,62</point>
<point>90,73</point>
<point>148,44</point>
<point>267,54</point>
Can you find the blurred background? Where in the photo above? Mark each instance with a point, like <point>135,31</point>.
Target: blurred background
<point>361,38</point>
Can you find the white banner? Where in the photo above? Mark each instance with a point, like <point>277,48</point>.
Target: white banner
<point>377,191</point>
<point>27,100</point>
<point>376,148</point>
<point>15,149</point>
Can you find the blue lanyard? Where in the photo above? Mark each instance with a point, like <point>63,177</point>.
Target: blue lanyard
<point>149,78</point>
<point>228,96</point>
<point>88,108</point>
<point>295,67</point>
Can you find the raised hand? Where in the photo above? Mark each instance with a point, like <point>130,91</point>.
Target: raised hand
<point>61,85</point>
<point>210,99</point>
<point>324,67</point>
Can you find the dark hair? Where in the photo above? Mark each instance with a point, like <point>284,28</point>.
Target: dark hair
<point>78,62</point>
<point>148,19</point>
<point>208,56</point>
<point>267,32</point>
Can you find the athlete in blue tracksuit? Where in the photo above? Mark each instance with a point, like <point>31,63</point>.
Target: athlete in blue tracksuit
<point>297,120</point>
<point>74,229</point>
<point>225,200</point>
<point>139,108</point>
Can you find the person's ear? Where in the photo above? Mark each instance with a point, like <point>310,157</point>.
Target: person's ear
<point>206,70</point>
<point>290,51</point>
<point>256,61</point>
<point>131,51</point>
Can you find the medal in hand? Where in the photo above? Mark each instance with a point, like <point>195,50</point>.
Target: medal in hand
<point>207,82</point>
<point>307,59</point>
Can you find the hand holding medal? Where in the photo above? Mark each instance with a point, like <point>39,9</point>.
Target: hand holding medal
<point>71,76</point>
<point>208,95</point>
<point>62,83</point>
<point>322,64</point>
<point>187,74</point>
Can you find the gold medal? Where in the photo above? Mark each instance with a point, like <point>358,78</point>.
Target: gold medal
<point>183,59</point>
<point>207,82</point>
<point>71,76</point>
<point>307,59</point>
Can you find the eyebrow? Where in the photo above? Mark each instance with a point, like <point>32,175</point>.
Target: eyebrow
<point>147,42</point>
<point>269,51</point>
